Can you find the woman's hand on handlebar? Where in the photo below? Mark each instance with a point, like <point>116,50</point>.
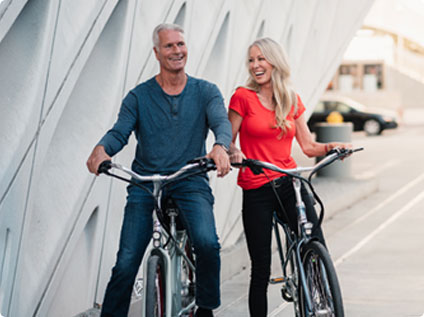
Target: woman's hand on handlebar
<point>236,157</point>
<point>96,157</point>
<point>333,145</point>
<point>338,145</point>
<point>221,159</point>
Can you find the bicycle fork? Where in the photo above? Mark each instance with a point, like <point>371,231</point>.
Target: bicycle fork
<point>305,231</point>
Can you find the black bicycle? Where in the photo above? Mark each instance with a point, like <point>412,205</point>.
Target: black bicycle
<point>169,262</point>
<point>309,277</point>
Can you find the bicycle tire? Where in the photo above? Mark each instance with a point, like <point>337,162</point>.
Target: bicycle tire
<point>155,288</point>
<point>321,279</point>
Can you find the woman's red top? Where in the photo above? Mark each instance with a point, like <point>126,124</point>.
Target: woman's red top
<point>260,140</point>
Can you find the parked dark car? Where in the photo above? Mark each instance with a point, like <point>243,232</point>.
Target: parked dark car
<point>372,122</point>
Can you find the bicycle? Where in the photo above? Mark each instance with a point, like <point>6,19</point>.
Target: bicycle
<point>309,277</point>
<point>169,264</point>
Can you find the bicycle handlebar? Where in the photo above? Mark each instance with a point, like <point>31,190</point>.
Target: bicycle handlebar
<point>335,154</point>
<point>257,166</point>
<point>203,164</point>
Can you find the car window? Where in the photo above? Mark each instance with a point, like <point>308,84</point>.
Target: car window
<point>319,107</point>
<point>342,108</point>
<point>330,106</point>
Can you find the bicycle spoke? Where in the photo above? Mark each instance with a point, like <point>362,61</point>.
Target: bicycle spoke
<point>321,297</point>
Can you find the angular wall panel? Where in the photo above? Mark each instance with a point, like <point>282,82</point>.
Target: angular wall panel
<point>24,60</point>
<point>12,215</point>
<point>9,10</point>
<point>76,20</point>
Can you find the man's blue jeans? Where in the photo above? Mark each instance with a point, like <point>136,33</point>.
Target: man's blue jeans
<point>194,198</point>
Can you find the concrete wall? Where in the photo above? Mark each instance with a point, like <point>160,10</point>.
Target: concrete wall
<point>410,88</point>
<point>64,67</point>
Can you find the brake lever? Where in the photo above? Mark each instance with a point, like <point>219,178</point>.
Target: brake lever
<point>199,159</point>
<point>342,152</point>
<point>203,161</point>
<point>358,149</point>
<point>250,163</point>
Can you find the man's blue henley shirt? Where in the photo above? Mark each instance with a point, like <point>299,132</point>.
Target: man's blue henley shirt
<point>170,130</point>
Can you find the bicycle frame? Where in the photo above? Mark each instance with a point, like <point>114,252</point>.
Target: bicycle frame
<point>295,242</point>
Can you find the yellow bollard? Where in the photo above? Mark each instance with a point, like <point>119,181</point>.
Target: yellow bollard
<point>334,117</point>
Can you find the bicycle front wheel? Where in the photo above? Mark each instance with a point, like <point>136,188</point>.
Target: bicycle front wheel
<point>322,282</point>
<point>155,288</point>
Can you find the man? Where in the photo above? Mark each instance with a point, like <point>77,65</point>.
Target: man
<point>171,114</point>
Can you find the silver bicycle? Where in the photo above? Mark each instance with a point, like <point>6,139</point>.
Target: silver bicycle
<point>169,264</point>
<point>309,277</point>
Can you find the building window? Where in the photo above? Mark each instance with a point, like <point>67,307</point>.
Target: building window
<point>358,76</point>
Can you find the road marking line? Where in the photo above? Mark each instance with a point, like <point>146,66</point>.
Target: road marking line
<point>380,228</point>
<point>388,200</point>
<point>278,309</point>
<point>219,311</point>
<point>378,170</point>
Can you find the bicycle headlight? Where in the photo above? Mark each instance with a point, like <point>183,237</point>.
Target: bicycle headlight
<point>156,235</point>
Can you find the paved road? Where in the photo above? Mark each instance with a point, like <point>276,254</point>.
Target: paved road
<point>378,243</point>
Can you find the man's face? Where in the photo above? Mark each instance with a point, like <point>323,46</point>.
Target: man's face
<point>172,51</point>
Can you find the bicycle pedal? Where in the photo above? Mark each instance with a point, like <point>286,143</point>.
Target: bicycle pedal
<point>277,280</point>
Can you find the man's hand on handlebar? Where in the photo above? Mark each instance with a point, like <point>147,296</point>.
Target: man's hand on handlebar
<point>221,159</point>
<point>96,157</point>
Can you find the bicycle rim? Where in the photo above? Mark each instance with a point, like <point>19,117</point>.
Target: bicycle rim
<point>321,279</point>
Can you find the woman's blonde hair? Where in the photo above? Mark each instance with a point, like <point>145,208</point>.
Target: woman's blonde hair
<point>283,94</point>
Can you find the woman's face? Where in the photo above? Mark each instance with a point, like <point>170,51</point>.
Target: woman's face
<point>259,67</point>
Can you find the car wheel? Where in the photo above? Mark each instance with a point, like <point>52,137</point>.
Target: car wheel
<point>372,127</point>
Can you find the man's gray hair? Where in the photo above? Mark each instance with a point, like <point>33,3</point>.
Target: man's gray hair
<point>164,26</point>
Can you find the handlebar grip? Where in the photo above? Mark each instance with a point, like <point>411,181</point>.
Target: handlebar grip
<point>104,167</point>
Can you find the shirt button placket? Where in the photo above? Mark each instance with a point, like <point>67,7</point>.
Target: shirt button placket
<point>174,107</point>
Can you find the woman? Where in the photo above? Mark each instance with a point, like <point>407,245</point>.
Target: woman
<point>268,114</point>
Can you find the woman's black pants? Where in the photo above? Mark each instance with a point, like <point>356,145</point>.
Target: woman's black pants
<point>258,208</point>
